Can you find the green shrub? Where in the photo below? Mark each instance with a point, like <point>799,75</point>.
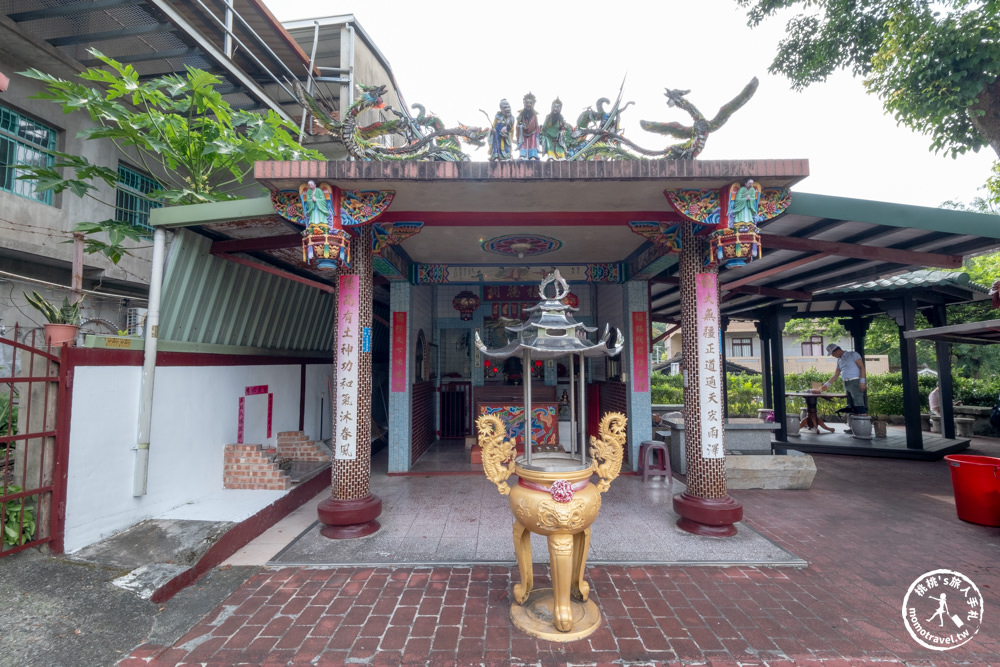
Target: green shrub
<point>17,522</point>
<point>885,392</point>
<point>666,389</point>
<point>971,391</point>
<point>8,415</point>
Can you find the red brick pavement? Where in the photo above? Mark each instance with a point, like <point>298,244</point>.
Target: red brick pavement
<point>868,528</point>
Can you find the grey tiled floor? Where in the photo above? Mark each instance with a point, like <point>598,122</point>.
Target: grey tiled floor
<point>461,518</point>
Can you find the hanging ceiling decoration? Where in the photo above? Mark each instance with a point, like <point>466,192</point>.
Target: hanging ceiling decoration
<point>465,302</point>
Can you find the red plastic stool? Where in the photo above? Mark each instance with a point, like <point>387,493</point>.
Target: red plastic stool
<point>650,450</point>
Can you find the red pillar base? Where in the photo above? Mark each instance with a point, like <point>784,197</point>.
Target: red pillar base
<point>344,519</point>
<point>713,517</point>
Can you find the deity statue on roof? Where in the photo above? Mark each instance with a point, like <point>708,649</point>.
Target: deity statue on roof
<point>528,129</point>
<point>501,139</point>
<point>553,133</point>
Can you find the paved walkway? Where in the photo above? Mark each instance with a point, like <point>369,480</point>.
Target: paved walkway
<point>868,528</point>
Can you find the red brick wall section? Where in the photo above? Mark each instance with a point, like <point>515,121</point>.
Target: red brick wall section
<point>296,446</point>
<point>422,424</point>
<point>253,467</point>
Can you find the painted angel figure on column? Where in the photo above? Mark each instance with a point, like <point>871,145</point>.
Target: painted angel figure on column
<point>316,204</point>
<point>743,202</point>
<point>324,242</point>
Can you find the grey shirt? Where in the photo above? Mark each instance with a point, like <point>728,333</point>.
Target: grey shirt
<point>848,365</point>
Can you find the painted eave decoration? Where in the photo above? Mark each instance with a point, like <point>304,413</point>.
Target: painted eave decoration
<point>327,212</point>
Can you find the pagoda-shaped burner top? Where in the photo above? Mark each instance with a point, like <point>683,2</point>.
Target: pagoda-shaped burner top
<point>551,330</point>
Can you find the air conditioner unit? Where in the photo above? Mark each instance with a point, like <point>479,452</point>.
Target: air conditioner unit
<point>135,321</point>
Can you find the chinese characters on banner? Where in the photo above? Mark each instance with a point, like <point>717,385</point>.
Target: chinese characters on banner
<point>709,375</point>
<point>398,381</point>
<point>345,403</point>
<point>640,352</point>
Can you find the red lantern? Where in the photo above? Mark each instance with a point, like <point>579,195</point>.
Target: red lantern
<point>465,302</point>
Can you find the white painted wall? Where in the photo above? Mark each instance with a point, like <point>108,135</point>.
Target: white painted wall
<point>318,419</point>
<point>195,414</point>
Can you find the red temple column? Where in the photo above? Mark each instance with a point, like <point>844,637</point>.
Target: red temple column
<point>705,507</point>
<point>352,509</point>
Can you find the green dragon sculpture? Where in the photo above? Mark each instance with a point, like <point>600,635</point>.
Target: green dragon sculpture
<point>613,144</point>
<point>360,141</point>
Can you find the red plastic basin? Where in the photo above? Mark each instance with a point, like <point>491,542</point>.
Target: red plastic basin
<point>976,481</point>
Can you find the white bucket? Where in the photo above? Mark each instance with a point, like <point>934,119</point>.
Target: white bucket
<point>861,426</point>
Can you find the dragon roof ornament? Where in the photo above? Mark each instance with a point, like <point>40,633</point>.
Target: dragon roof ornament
<point>596,136</point>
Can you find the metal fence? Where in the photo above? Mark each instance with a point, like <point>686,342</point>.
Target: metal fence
<point>32,452</point>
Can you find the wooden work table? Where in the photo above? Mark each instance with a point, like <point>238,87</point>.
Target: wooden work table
<point>812,419</point>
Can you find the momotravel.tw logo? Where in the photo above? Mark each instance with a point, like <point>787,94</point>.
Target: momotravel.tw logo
<point>942,610</point>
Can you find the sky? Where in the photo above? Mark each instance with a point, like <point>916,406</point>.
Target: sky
<point>457,57</point>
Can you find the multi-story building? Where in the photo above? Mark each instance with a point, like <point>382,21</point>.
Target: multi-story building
<point>256,58</point>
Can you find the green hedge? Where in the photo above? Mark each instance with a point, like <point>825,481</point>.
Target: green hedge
<point>885,392</point>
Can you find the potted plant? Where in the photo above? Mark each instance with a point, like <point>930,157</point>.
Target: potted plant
<point>62,323</point>
<point>880,406</point>
<point>793,416</point>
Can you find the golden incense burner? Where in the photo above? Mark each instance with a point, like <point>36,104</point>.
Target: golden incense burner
<point>554,496</point>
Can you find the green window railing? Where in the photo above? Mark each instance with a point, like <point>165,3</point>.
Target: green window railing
<point>132,203</point>
<point>28,142</point>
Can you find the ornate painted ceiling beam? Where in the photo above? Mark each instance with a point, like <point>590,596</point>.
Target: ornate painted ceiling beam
<point>897,255</point>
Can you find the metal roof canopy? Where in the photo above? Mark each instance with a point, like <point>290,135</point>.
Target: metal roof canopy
<point>243,44</point>
<point>823,243</point>
<point>926,289</point>
<point>974,333</point>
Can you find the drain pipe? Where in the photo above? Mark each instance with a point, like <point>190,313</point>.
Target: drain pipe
<point>140,472</point>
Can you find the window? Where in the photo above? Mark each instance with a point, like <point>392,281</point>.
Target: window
<point>813,347</point>
<point>24,141</point>
<point>742,347</point>
<point>132,204</point>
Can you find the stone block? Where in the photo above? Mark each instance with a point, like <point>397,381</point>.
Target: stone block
<point>790,471</point>
<point>963,426</point>
<point>750,436</point>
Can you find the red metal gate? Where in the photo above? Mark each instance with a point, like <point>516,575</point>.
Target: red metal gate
<point>32,445</point>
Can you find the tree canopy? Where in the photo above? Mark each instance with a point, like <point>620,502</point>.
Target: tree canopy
<point>934,65</point>
<point>179,129</point>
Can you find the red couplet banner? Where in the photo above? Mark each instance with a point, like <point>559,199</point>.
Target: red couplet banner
<point>640,351</point>
<point>398,380</point>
